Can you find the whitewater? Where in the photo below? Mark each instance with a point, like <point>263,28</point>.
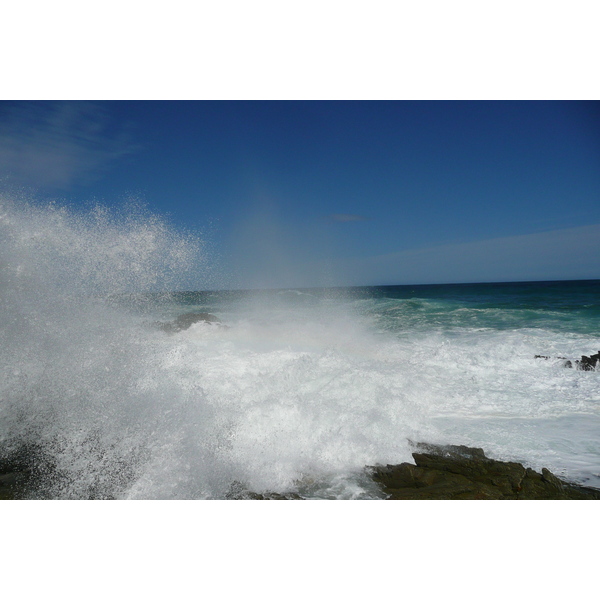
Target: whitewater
<point>292,391</point>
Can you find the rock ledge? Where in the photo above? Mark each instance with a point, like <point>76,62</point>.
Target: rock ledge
<point>463,473</point>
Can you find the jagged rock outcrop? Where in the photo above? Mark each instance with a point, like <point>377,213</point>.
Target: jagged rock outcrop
<point>463,473</point>
<point>587,363</point>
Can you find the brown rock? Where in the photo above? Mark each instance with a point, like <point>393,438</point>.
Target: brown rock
<point>462,473</point>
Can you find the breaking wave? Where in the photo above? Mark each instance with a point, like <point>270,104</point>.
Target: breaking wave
<point>293,391</point>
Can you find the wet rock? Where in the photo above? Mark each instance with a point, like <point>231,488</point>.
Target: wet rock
<point>186,320</point>
<point>463,473</point>
<point>17,468</point>
<point>238,492</point>
<point>587,363</point>
<point>13,484</point>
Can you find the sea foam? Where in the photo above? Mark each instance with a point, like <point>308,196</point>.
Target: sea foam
<point>295,391</point>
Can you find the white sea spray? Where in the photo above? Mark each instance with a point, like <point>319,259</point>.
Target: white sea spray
<point>296,390</point>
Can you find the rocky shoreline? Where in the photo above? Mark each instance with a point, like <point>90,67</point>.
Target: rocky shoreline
<point>463,473</point>
<point>439,473</point>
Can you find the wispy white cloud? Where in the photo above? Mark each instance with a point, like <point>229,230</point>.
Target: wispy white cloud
<point>572,253</point>
<point>57,144</point>
<point>344,218</point>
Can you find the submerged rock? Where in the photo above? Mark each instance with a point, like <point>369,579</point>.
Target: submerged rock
<point>463,473</point>
<point>186,320</point>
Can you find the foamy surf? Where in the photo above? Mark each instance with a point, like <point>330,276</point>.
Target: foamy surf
<point>297,392</point>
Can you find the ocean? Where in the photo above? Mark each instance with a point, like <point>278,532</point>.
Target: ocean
<point>292,391</point>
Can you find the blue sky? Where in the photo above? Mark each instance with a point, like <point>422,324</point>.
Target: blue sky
<point>311,193</point>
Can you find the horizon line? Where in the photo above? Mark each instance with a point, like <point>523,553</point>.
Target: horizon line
<point>378,285</point>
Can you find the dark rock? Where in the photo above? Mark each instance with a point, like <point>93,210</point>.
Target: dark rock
<point>19,467</point>
<point>587,363</point>
<point>13,484</point>
<point>462,473</point>
<point>186,320</point>
<point>238,492</point>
